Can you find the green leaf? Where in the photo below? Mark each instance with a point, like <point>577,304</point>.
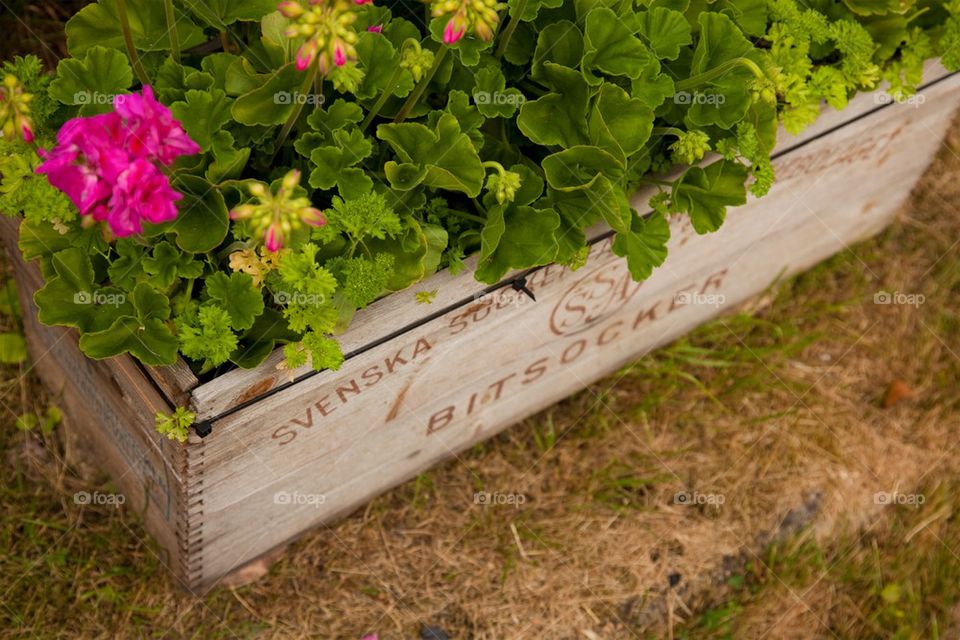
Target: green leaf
<point>144,334</point>
<point>271,103</point>
<point>98,24</point>
<point>228,161</point>
<point>728,96</point>
<point>13,348</point>
<point>93,81</point>
<point>445,156</point>
<point>220,13</point>
<point>580,167</point>
<point>71,298</point>
<point>610,47</point>
<point>560,43</point>
<point>203,220</point>
<point>666,32</point>
<point>644,245</point>
<point>519,238</point>
<point>705,194</point>
<point>126,270</point>
<point>256,344</point>
<point>335,165</point>
<point>238,296</point>
<point>167,264</point>
<point>202,114</point>
<point>558,118</point>
<point>531,8</point>
<point>491,95</point>
<point>379,59</point>
<point>618,123</point>
<point>408,252</point>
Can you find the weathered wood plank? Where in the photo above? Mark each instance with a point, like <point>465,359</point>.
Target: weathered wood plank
<point>111,405</point>
<point>398,310</point>
<point>318,449</point>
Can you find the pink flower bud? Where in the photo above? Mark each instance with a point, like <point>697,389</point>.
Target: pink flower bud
<point>290,9</point>
<point>273,241</point>
<point>454,30</point>
<point>377,28</point>
<point>339,57</point>
<point>313,217</point>
<point>27,133</point>
<point>306,54</point>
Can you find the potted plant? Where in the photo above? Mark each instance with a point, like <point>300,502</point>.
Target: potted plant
<point>227,201</point>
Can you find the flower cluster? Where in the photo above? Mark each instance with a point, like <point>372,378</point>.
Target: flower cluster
<point>15,109</point>
<point>479,16</point>
<point>278,214</point>
<point>109,164</point>
<point>328,27</point>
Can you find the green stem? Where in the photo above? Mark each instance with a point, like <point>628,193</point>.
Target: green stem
<point>421,86</point>
<point>391,87</point>
<point>707,76</point>
<point>128,42</point>
<point>225,41</point>
<point>297,108</point>
<point>508,32</point>
<point>172,30</point>
<point>468,216</point>
<point>667,131</point>
<point>533,88</point>
<point>655,181</point>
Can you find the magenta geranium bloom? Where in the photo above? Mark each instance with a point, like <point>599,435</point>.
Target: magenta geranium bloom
<point>109,164</point>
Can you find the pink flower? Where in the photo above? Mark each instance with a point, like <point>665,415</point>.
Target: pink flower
<point>377,28</point>
<point>108,164</point>
<point>141,193</point>
<point>153,131</point>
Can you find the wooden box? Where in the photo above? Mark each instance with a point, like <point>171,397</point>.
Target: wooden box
<point>422,382</point>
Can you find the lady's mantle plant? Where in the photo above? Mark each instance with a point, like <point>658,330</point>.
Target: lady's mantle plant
<point>216,179</point>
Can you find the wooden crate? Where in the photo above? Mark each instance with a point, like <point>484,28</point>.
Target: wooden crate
<point>288,451</point>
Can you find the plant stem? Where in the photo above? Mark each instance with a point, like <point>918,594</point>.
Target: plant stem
<point>297,108</point>
<point>382,100</point>
<point>508,32</point>
<point>422,86</point>
<point>225,41</point>
<point>467,216</point>
<point>707,76</point>
<point>172,30</point>
<point>128,42</point>
<point>667,131</point>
